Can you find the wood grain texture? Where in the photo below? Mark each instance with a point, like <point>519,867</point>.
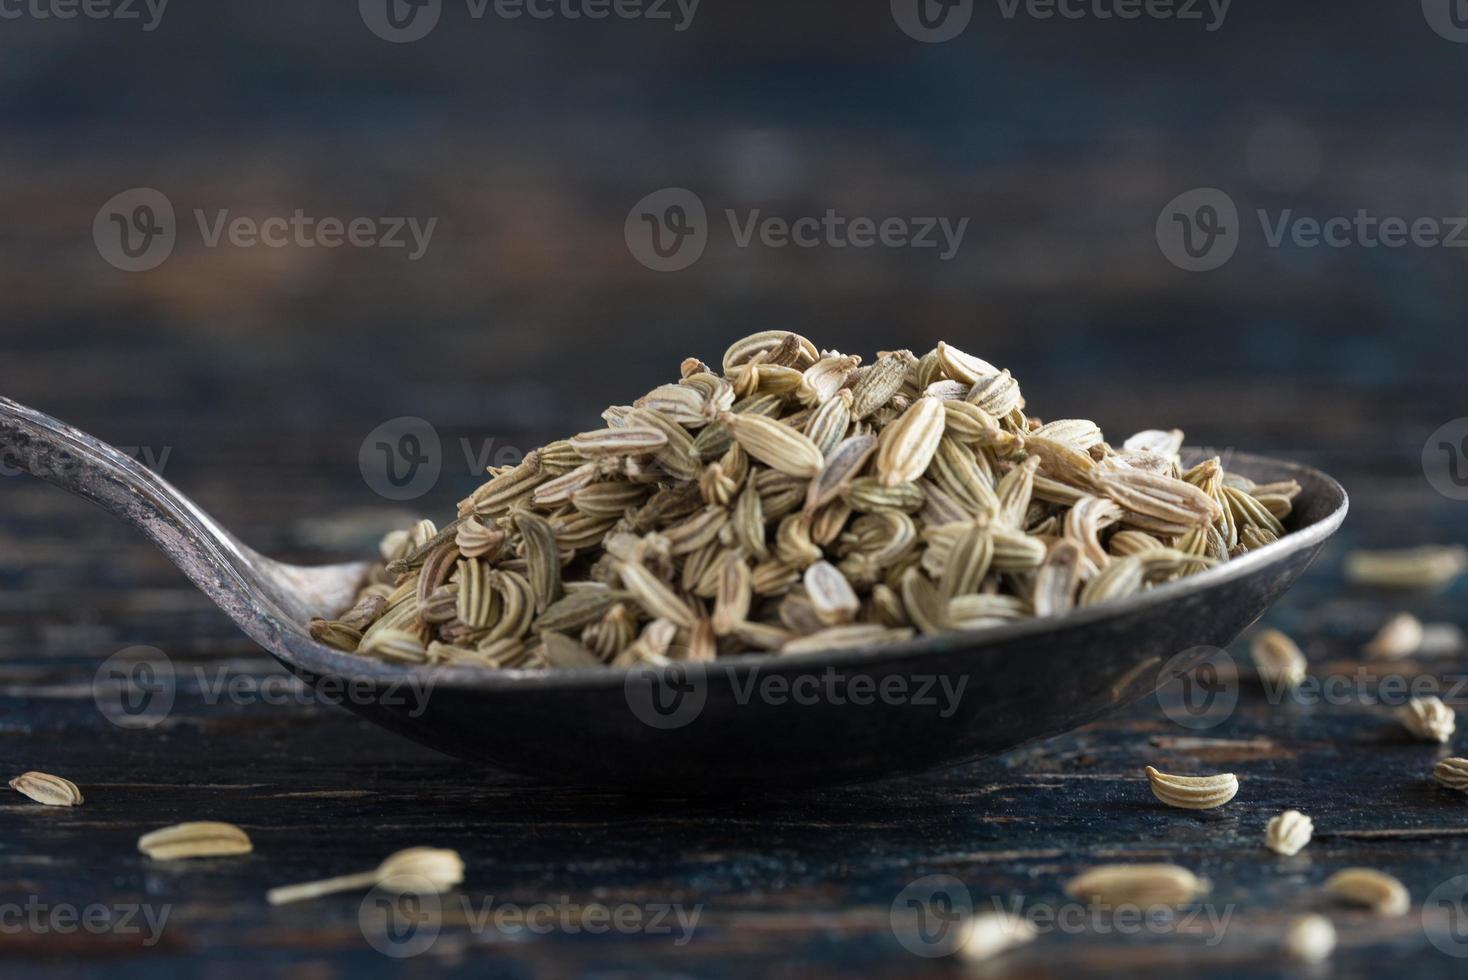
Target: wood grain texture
<point>785,885</point>
<point>254,375</point>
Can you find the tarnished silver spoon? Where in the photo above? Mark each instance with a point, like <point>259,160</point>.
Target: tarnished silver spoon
<point>742,722</point>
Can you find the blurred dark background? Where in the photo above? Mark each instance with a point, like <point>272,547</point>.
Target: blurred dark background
<point>260,370</point>
<point>253,376</point>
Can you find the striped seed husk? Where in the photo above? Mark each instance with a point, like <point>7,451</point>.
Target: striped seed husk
<point>47,789</point>
<point>204,838</point>
<point>790,497</point>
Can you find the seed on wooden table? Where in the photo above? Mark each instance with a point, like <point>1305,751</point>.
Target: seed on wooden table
<point>1428,719</point>
<point>1142,885</point>
<point>989,934</point>
<point>1193,792</point>
<point>1452,773</point>
<point>1425,568</point>
<point>48,789</point>
<point>1440,639</point>
<point>1375,890</point>
<point>1288,833</point>
<point>416,869</point>
<point>1400,636</point>
<point>1277,659</point>
<point>1310,939</point>
<point>202,838</point>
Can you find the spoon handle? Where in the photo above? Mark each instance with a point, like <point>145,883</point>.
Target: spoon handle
<point>35,443</point>
<point>246,585</point>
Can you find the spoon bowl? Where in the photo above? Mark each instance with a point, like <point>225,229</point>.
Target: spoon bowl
<point>761,720</point>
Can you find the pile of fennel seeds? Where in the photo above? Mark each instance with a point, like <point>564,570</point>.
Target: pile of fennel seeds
<point>794,500</point>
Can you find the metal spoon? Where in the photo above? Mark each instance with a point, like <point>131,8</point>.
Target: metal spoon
<point>758,720</point>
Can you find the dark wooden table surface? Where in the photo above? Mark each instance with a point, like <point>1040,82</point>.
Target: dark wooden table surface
<point>783,885</point>
<point>251,377</point>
